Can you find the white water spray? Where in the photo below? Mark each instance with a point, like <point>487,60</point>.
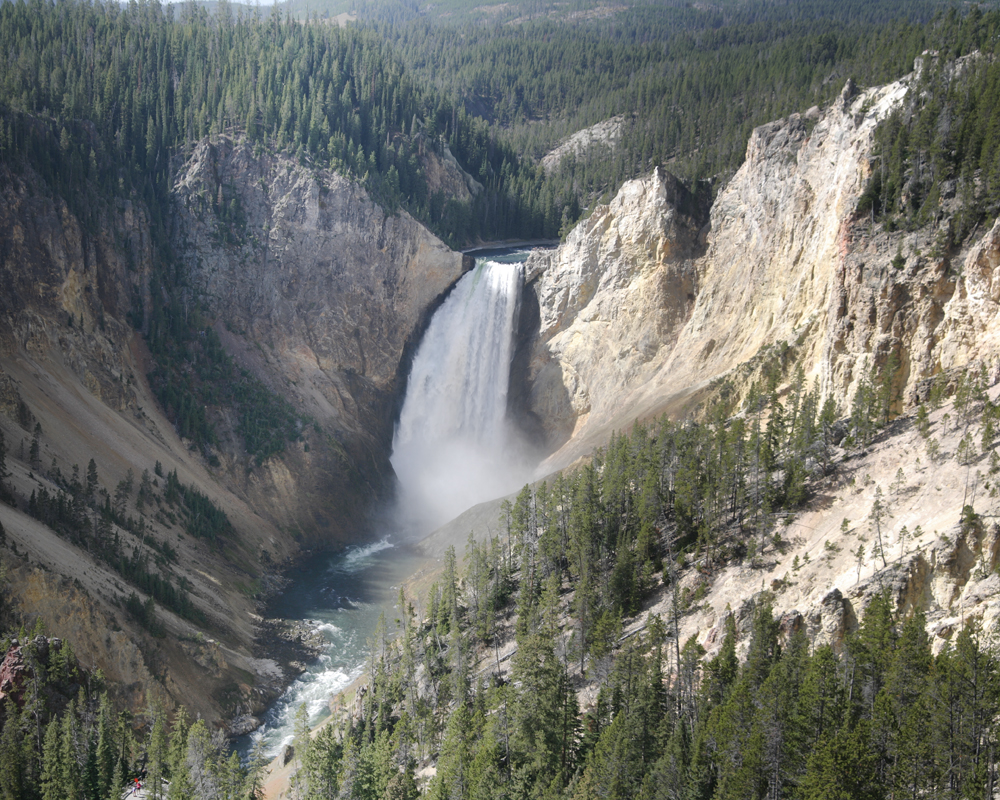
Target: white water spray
<point>452,447</point>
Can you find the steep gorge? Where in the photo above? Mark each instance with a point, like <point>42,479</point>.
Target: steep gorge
<point>656,305</point>
<point>320,296</point>
<point>653,303</point>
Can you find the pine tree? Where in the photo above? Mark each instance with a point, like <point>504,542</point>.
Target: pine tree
<point>876,518</point>
<point>105,748</point>
<point>72,755</point>
<point>91,481</point>
<point>52,787</point>
<point>11,759</point>
<point>156,752</point>
<point>200,760</point>
<point>843,767</point>
<point>181,786</point>
<point>35,452</point>
<point>457,752</point>
<point>665,781</point>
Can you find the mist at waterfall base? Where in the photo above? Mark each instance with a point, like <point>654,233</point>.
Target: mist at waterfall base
<point>454,446</point>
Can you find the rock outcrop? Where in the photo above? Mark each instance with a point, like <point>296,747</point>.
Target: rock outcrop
<point>937,559</point>
<point>621,287</point>
<point>605,134</point>
<point>314,289</point>
<point>639,315</point>
<point>315,269</point>
<point>319,292</point>
<point>65,291</point>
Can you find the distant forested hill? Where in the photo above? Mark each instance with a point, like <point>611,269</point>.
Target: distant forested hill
<point>689,83</point>
<point>104,94</point>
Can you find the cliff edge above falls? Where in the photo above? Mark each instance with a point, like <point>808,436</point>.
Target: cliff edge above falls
<point>609,298</point>
<point>640,316</point>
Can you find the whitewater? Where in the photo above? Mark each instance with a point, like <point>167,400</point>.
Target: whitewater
<point>453,447</point>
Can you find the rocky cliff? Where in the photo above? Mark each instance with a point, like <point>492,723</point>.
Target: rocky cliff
<point>609,299</point>
<point>312,288</point>
<point>781,259</point>
<point>643,310</point>
<point>322,295</point>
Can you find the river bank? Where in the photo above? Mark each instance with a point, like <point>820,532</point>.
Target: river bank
<point>426,569</point>
<point>332,605</point>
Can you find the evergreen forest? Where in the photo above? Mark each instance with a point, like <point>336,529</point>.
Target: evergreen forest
<point>564,581</point>
<point>570,568</point>
<point>99,98</point>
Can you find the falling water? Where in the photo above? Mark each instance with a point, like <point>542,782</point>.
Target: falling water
<point>452,447</point>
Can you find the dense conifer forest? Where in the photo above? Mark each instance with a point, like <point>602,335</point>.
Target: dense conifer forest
<point>101,97</point>
<point>573,560</point>
<point>100,100</point>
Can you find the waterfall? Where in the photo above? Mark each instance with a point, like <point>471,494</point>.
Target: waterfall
<point>451,448</point>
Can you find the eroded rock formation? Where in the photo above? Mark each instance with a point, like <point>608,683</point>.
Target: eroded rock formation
<point>322,295</point>
<point>313,288</point>
<point>640,314</point>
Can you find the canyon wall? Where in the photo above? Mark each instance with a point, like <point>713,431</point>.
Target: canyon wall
<point>641,313</point>
<point>323,296</point>
<point>313,289</point>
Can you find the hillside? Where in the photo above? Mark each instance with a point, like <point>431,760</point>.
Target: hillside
<point>885,574</point>
<point>213,519</point>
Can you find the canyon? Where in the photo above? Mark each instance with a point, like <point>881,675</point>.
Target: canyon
<point>321,300</point>
<point>655,305</point>
<point>657,302</point>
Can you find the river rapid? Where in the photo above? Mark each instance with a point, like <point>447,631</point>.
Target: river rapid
<point>341,595</point>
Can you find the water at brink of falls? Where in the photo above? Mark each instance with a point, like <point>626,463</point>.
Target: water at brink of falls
<point>452,449</point>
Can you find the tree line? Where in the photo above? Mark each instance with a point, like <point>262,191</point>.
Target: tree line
<point>687,84</point>
<point>690,84</point>
<point>62,738</point>
<point>101,522</point>
<point>942,147</point>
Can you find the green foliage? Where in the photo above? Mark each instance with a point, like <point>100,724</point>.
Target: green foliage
<point>84,513</point>
<point>941,144</point>
<point>885,716</point>
<point>688,84</point>
<point>194,373</point>
<point>202,517</point>
<point>60,737</point>
<point>144,614</point>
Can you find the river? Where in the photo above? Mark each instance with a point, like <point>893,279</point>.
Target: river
<point>452,449</point>
<point>341,595</point>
